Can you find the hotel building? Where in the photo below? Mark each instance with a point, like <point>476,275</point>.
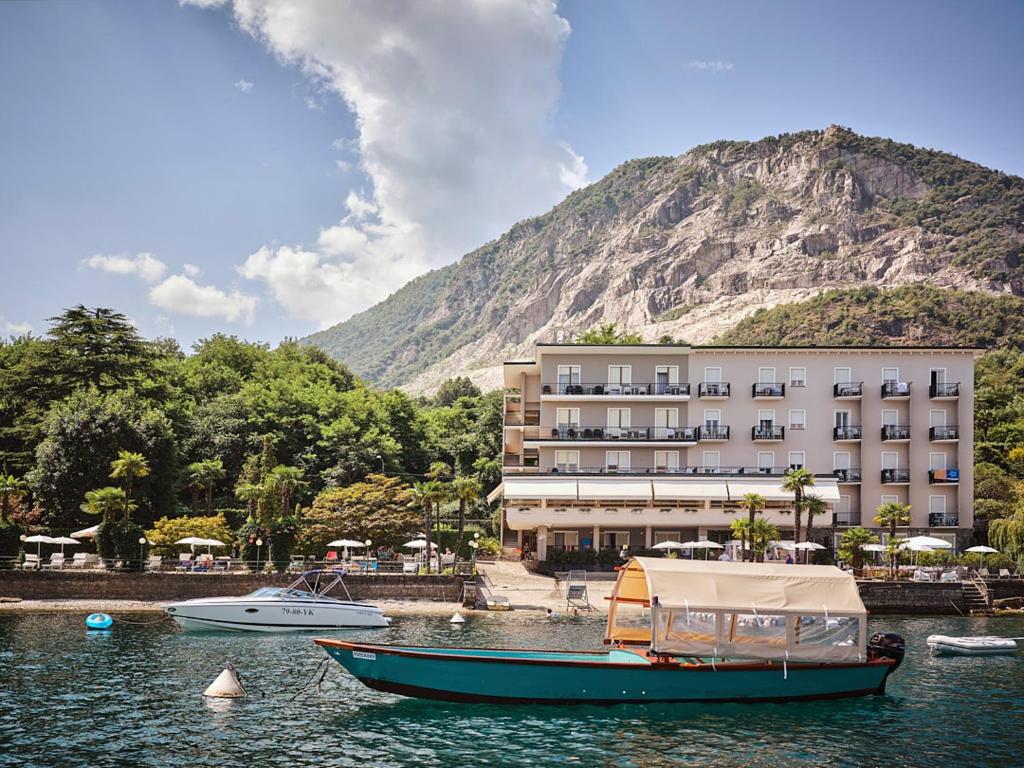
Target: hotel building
<point>612,445</point>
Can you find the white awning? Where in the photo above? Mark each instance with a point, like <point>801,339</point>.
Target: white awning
<point>496,494</point>
<point>678,488</point>
<point>540,488</point>
<point>626,489</point>
<point>824,488</point>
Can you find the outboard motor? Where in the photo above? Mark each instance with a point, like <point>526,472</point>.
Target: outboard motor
<point>887,645</point>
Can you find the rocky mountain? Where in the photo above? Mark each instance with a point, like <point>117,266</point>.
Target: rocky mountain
<point>688,246</point>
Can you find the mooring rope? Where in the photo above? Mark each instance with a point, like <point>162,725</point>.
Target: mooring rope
<point>141,623</point>
<point>323,665</point>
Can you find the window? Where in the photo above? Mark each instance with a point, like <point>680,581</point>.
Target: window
<point>936,505</point>
<point>566,539</point>
<point>666,461</point>
<point>766,418</point>
<point>936,461</point>
<point>890,418</point>
<point>619,375</point>
<point>841,460</point>
<point>712,459</point>
<point>614,539</point>
<point>890,375</point>
<point>660,536</point>
<point>567,461</point>
<point>890,460</point>
<point>712,375</point>
<point>843,510</point>
<point>798,377</point>
<point>618,420</point>
<point>765,375</point>
<point>936,418</point>
<point>665,376</point>
<point>797,459</point>
<point>842,419</point>
<point>712,418</point>
<point>567,375</point>
<point>890,499</point>
<point>765,461</point>
<point>842,375</point>
<point>664,419</point>
<point>567,417</point>
<point>937,375</point>
<point>798,419</point>
<point>617,461</point>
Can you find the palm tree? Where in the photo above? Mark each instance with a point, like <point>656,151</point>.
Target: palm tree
<point>795,481</point>
<point>851,546</point>
<point>11,487</point>
<point>762,534</point>
<point>129,465</point>
<point>892,513</point>
<point>466,490</point>
<point>250,493</point>
<point>815,506</point>
<point>204,475</point>
<point>438,469</point>
<point>740,530</point>
<point>424,495</point>
<point>284,482</point>
<point>753,503</point>
<point>108,502</point>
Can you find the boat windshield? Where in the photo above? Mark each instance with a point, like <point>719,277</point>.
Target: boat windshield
<point>314,590</point>
<point>267,592</point>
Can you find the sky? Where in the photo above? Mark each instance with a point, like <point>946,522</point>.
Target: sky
<point>267,168</point>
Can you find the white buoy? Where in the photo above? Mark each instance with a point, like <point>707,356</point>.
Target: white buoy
<point>457,618</point>
<point>226,686</point>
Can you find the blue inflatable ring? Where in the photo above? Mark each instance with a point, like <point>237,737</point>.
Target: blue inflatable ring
<point>98,621</point>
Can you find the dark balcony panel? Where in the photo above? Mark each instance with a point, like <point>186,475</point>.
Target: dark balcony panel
<point>939,476</point>
<point>667,434</point>
<point>713,389</point>
<point>944,433</point>
<point>847,475</point>
<point>713,433</point>
<point>774,389</point>
<point>767,433</point>
<point>896,432</point>
<point>895,475</point>
<point>896,389</point>
<point>947,520</point>
<point>605,388</point>
<point>846,433</point>
<point>944,389</point>
<point>848,389</point>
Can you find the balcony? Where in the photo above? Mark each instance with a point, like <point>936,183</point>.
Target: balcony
<point>846,434</point>
<point>895,477</point>
<point>713,390</point>
<point>896,390</point>
<point>896,433</point>
<point>708,434</point>
<point>577,469</point>
<point>848,390</point>
<point>846,519</point>
<point>847,476</point>
<point>767,434</point>
<point>768,390</point>
<point>647,434</point>
<point>944,390</point>
<point>606,389</point>
<point>947,434</point>
<point>943,520</point>
<point>943,476</point>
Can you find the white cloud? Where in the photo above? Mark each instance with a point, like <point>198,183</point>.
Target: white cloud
<point>714,67</point>
<point>144,265</point>
<point>9,328</point>
<point>244,85</point>
<point>453,101</point>
<point>191,270</point>
<point>181,294</point>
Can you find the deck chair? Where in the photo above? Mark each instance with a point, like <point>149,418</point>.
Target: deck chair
<point>32,562</point>
<point>576,591</point>
<point>1004,574</point>
<point>80,560</point>
<point>56,561</point>
<point>184,562</point>
<point>984,574</point>
<point>154,563</point>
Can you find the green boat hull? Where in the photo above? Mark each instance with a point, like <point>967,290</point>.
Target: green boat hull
<point>610,677</point>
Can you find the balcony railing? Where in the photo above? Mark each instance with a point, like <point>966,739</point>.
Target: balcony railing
<point>848,389</point>
<point>895,475</point>
<point>944,433</point>
<point>896,389</point>
<point>767,433</point>
<point>678,434</point>
<point>713,389</point>
<point>846,433</point>
<point>766,389</point>
<point>576,469</point>
<point>713,433</point>
<point>944,389</point>
<point>846,518</point>
<point>613,389</point>
<point>896,432</point>
<point>943,520</point>
<point>847,475</point>
<point>940,476</point>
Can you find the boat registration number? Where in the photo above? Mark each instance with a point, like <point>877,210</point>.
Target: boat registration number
<point>298,611</point>
<point>364,655</point>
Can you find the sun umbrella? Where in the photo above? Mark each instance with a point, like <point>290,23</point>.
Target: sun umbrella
<point>873,548</point>
<point>38,540</point>
<point>86,533</point>
<point>930,541</point>
<point>62,540</point>
<point>346,543</point>
<point>669,545</point>
<point>197,541</point>
<point>419,544</point>
<point>808,545</point>
<point>702,544</point>
<point>982,550</point>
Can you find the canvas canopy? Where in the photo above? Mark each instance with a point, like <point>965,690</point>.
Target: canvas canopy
<point>629,489</point>
<point>674,490</point>
<point>741,610</point>
<point>540,488</point>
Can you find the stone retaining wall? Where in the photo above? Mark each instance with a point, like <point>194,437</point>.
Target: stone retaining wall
<point>882,597</point>
<point>159,587</point>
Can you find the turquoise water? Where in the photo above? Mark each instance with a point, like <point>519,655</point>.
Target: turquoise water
<point>133,697</point>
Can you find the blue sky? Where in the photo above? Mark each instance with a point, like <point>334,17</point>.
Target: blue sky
<point>283,170</point>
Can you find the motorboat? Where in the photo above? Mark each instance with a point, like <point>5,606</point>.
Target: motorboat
<point>678,631</point>
<point>944,645</point>
<point>304,604</point>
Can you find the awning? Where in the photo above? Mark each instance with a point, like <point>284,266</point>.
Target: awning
<point>540,488</point>
<point>494,495</point>
<point>626,489</point>
<point>771,489</point>
<point>678,489</point>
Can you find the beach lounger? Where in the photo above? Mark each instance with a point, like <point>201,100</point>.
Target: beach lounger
<point>1004,574</point>
<point>31,562</point>
<point>184,562</point>
<point>56,561</point>
<point>984,574</point>
<point>154,563</point>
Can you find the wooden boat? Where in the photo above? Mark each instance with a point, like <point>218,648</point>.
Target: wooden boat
<point>680,631</point>
<point>944,645</point>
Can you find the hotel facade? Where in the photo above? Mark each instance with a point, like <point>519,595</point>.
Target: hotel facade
<point>608,446</point>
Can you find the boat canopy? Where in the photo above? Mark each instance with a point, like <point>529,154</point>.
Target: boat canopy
<point>740,610</point>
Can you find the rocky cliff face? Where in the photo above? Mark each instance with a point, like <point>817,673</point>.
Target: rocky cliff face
<point>688,246</point>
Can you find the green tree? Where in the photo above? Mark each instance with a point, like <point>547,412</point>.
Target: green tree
<point>109,502</point>
<point>97,347</point>
<point>283,482</point>
<point>796,481</point>
<point>851,546</point>
<point>892,514</point>
<point>754,502</point>
<point>452,389</point>
<point>762,534</point>
<point>129,465</point>
<point>466,490</point>
<point>424,496</point>
<point>377,508</point>
<point>11,489</point>
<point>204,475</point>
<point>1007,534</point>
<point>607,333</point>
<point>815,506</point>
<point>740,530</point>
<point>250,493</point>
<point>168,530</point>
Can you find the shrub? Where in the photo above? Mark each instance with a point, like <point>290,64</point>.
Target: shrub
<point>118,540</point>
<point>166,531</point>
<point>10,541</point>
<point>282,541</point>
<point>246,538</point>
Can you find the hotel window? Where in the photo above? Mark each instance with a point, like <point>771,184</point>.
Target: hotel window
<point>614,539</point>
<point>890,460</point>
<point>712,375</point>
<point>936,461</point>
<point>765,461</point>
<point>619,375</point>
<point>936,505</point>
<point>766,419</point>
<point>890,375</point>
<point>569,540</point>
<point>712,418</point>
<point>618,420</point>
<point>890,418</point>
<point>765,375</point>
<point>665,376</point>
<point>567,461</point>
<point>936,418</point>
<point>660,536</point>
<point>842,419</point>
<point>843,510</point>
<point>666,422</point>
<point>617,461</point>
<point>886,499</point>
<point>841,460</point>
<point>842,375</point>
<point>568,375</point>
<point>798,377</point>
<point>567,417</point>
<point>711,459</point>
<point>797,459</point>
<point>666,461</point>
<point>798,419</point>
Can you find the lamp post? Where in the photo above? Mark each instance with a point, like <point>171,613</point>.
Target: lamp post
<point>259,543</point>
<point>381,460</point>
<point>369,555</point>
<point>142,551</point>
<point>472,554</point>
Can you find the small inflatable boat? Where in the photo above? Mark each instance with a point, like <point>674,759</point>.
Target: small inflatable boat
<point>970,646</point>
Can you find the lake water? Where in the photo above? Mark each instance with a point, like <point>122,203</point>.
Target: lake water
<point>133,697</point>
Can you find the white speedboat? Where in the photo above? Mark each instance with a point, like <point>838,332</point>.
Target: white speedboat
<point>970,646</point>
<point>302,605</point>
